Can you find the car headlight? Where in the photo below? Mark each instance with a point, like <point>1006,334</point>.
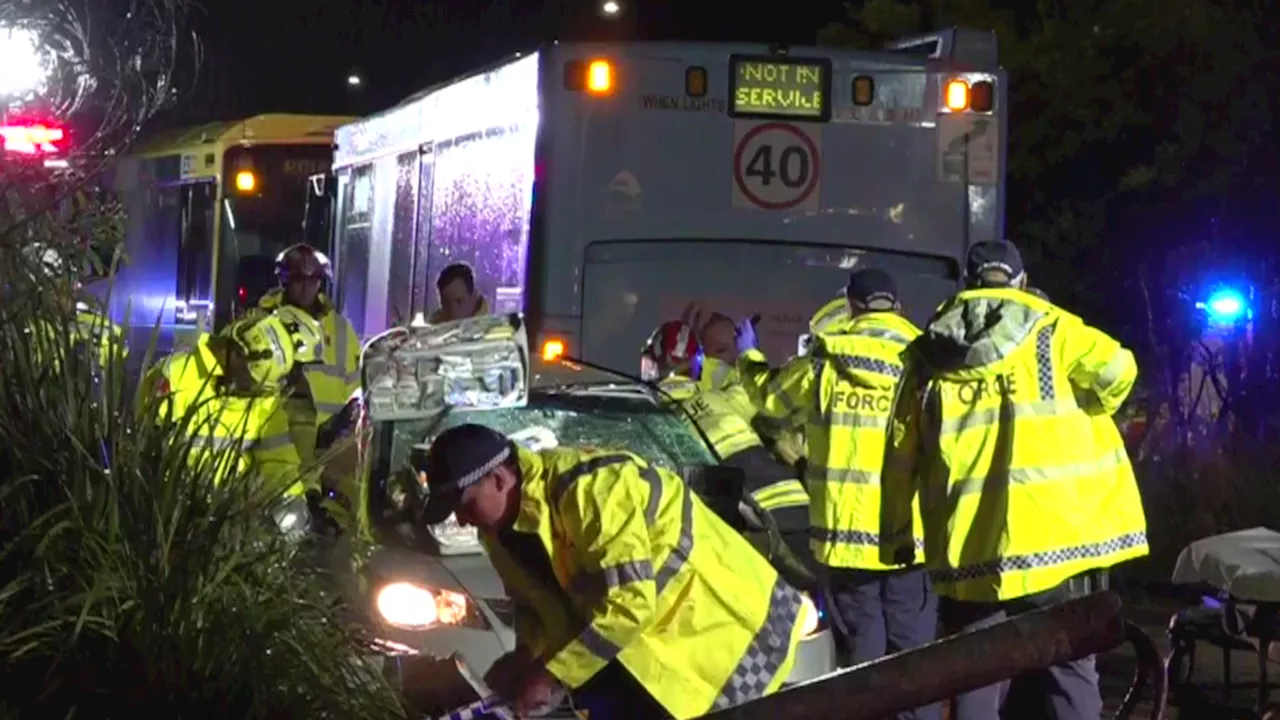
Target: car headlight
<point>811,617</point>
<point>411,606</point>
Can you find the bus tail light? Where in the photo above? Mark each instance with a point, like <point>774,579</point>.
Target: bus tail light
<point>552,350</point>
<point>595,77</point>
<point>246,181</point>
<point>599,77</point>
<point>695,82</point>
<point>982,96</point>
<point>957,96</point>
<point>864,90</point>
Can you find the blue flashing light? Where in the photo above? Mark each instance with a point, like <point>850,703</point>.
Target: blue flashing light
<point>1225,306</point>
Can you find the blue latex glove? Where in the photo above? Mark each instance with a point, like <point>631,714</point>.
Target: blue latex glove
<point>746,335</point>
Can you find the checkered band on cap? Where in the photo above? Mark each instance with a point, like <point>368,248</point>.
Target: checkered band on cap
<point>478,473</point>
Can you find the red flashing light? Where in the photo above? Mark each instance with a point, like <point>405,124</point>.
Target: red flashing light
<point>36,139</point>
<point>243,294</point>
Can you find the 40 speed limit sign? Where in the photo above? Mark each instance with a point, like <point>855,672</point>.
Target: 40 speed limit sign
<point>776,165</point>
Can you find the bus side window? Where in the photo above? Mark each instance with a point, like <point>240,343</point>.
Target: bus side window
<point>424,283</point>
<point>400,277</point>
<point>195,250</point>
<point>352,249</point>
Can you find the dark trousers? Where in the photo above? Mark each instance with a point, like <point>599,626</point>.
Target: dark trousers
<point>615,693</point>
<point>1063,692</point>
<point>886,612</point>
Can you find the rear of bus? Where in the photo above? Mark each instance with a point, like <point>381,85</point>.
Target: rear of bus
<point>752,181</point>
<point>208,211</point>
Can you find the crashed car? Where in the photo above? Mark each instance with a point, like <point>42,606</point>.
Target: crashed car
<point>436,592</point>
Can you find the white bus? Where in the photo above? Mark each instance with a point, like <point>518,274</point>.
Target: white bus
<point>600,188</point>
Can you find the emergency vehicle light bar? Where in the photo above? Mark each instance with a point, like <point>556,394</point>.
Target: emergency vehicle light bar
<point>36,139</point>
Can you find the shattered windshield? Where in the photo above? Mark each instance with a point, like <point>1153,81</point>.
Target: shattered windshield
<point>562,419</point>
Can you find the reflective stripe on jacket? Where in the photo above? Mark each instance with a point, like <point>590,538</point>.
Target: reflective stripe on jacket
<point>717,374</point>
<point>336,378</point>
<point>238,433</point>
<point>719,414</point>
<point>610,558</point>
<point>844,391</point>
<point>1021,486</point>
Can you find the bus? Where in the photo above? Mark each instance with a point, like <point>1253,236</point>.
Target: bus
<point>601,188</point>
<point>208,209</point>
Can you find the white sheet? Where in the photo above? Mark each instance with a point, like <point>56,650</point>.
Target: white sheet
<point>1245,563</point>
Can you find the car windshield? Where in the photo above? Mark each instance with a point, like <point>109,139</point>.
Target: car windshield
<point>579,418</point>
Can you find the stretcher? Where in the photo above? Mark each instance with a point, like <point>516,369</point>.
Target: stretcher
<point>1242,613</point>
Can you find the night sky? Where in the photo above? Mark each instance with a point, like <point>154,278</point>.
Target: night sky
<point>296,58</point>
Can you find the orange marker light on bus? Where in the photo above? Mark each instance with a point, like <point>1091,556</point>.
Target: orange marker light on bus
<point>552,350</point>
<point>245,181</point>
<point>599,77</point>
<point>957,97</point>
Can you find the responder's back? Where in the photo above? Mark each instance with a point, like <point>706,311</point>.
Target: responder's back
<point>1019,491</point>
<point>188,388</point>
<point>857,372</point>
<point>718,624</point>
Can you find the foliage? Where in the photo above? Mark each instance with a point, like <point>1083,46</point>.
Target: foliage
<point>132,577</point>
<point>1188,496</point>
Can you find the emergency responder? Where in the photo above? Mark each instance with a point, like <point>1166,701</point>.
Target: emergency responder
<point>225,394</point>
<point>846,385</point>
<point>318,398</point>
<point>630,592</point>
<point>456,287</point>
<point>830,318</point>
<point>1022,500</point>
<point>723,416</point>
<point>91,329</point>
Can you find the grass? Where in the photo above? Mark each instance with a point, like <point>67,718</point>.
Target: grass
<point>132,577</point>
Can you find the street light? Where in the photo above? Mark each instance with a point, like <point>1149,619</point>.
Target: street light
<point>24,65</point>
<point>610,8</point>
<point>353,80</point>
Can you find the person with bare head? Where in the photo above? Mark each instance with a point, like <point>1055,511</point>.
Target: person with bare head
<point>717,338</point>
<point>458,297</point>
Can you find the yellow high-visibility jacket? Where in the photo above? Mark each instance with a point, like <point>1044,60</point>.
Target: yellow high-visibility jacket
<point>1021,488</point>
<point>843,389</point>
<point>610,558</point>
<point>333,380</point>
<point>236,432</point>
<point>718,414</point>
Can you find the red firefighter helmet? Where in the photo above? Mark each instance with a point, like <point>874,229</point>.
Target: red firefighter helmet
<point>302,261</point>
<point>672,347</point>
